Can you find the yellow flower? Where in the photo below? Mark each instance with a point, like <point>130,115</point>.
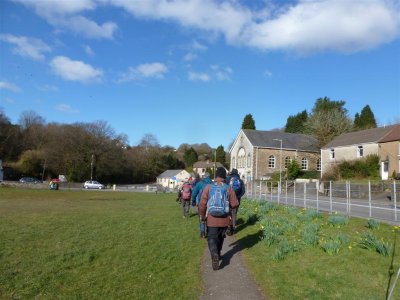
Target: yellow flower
<point>350,247</point>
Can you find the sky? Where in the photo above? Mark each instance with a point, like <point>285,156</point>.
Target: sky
<point>190,71</point>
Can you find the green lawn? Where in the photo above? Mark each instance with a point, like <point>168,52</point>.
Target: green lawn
<point>290,261</point>
<point>119,245</point>
<point>97,245</point>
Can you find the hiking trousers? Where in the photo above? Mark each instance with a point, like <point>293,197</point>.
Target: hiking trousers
<point>215,239</point>
<point>185,208</point>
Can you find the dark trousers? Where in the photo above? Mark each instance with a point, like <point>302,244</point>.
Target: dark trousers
<point>185,208</point>
<point>215,239</point>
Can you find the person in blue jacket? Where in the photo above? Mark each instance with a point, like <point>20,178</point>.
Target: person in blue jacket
<point>196,196</point>
<point>239,187</point>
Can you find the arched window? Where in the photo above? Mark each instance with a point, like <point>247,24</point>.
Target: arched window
<point>288,160</point>
<point>233,162</point>
<point>271,162</point>
<point>304,163</point>
<point>249,161</point>
<point>241,160</point>
<point>319,164</point>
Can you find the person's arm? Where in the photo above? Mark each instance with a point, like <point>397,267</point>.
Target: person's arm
<point>233,201</point>
<point>203,202</point>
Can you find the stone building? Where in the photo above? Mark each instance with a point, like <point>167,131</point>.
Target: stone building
<point>258,154</point>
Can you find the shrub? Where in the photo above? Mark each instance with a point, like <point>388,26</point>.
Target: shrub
<point>284,248</point>
<point>373,224</point>
<point>310,234</point>
<point>337,220</point>
<point>371,242</point>
<point>334,243</point>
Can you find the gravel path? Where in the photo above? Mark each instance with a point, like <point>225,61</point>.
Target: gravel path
<point>232,280</point>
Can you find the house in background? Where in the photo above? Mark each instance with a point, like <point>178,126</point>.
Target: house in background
<point>258,154</point>
<point>172,178</point>
<point>382,141</point>
<point>201,167</point>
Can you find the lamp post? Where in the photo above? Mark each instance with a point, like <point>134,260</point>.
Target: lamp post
<point>280,169</point>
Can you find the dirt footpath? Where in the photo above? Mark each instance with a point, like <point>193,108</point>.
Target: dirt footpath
<point>232,280</point>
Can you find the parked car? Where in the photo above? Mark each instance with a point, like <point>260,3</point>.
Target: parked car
<point>93,184</point>
<point>29,180</point>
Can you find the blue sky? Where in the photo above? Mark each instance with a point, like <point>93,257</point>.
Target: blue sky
<point>189,71</point>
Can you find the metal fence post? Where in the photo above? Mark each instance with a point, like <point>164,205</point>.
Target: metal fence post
<point>294,194</point>
<point>317,189</point>
<point>349,212</point>
<point>369,198</point>
<point>395,200</point>
<point>286,192</point>
<point>330,195</point>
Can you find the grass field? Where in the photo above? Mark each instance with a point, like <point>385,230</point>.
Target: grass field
<point>97,245</point>
<point>119,245</point>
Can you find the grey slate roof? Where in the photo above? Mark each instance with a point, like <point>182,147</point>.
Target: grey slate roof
<point>293,141</point>
<point>169,173</point>
<point>373,135</point>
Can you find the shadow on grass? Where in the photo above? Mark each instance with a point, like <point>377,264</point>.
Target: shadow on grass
<point>241,224</point>
<point>244,243</point>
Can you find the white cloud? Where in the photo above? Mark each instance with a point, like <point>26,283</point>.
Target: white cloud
<point>75,70</point>
<point>88,50</point>
<point>150,70</point>
<point>9,86</point>
<point>190,56</point>
<point>194,76</point>
<point>26,46</point>
<point>267,74</point>
<point>304,26</point>
<point>222,73</point>
<point>66,108</point>
<point>318,25</point>
<point>48,88</point>
<point>67,15</point>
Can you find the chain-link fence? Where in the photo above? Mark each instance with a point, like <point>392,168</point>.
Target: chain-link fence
<point>373,199</point>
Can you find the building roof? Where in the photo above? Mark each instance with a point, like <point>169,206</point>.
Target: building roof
<point>205,165</point>
<point>169,173</point>
<point>373,135</point>
<point>292,141</point>
<point>393,135</point>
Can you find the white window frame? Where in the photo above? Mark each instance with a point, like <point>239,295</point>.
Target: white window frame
<point>271,162</point>
<point>319,165</point>
<point>332,153</point>
<point>304,164</point>
<point>360,151</point>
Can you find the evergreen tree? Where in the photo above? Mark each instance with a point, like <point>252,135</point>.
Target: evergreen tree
<point>365,120</point>
<point>248,122</point>
<point>295,124</point>
<point>190,157</point>
<point>220,155</point>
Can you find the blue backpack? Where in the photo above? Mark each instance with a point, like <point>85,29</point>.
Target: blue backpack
<point>235,184</point>
<point>218,204</point>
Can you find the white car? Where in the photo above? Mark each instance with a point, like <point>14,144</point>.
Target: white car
<point>93,184</point>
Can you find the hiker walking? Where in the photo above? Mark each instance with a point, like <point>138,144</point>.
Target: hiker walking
<point>196,196</point>
<point>238,186</point>
<point>216,200</point>
<point>186,192</point>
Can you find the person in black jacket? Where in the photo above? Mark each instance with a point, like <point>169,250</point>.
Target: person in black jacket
<point>238,186</point>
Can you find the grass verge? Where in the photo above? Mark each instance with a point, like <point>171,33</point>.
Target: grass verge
<point>304,254</point>
<point>97,245</point>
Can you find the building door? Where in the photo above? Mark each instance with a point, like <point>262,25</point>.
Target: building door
<point>384,170</point>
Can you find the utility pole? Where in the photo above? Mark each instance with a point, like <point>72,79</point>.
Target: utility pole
<point>215,162</point>
<point>91,167</point>
<point>280,169</point>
